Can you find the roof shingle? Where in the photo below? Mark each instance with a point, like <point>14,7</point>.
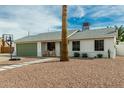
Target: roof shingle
<point>55,36</point>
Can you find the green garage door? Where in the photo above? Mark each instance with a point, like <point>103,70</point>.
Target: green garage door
<point>27,49</point>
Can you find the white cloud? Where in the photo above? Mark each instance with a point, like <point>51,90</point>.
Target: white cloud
<point>104,11</point>
<point>77,11</point>
<point>19,20</point>
<point>6,24</point>
<point>8,27</point>
<point>35,19</point>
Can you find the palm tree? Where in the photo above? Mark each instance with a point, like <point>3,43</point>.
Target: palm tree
<point>120,33</point>
<point>64,43</point>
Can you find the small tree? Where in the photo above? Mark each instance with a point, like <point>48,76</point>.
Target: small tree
<point>120,33</point>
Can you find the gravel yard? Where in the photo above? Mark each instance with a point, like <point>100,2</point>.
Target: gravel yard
<point>75,73</point>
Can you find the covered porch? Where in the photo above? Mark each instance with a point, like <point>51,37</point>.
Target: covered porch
<point>48,49</point>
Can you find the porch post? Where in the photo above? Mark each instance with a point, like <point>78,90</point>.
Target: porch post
<point>14,52</point>
<point>57,48</point>
<point>39,50</point>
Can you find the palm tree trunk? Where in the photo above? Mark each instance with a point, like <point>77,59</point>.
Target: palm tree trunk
<point>64,44</point>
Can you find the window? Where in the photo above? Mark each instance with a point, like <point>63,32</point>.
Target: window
<point>76,46</point>
<point>51,46</point>
<point>99,45</point>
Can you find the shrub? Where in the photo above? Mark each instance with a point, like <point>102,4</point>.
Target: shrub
<point>99,55</point>
<point>76,54</point>
<point>84,55</point>
<point>95,57</point>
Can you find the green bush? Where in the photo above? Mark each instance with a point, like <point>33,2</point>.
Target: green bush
<point>99,55</point>
<point>84,55</point>
<point>76,54</point>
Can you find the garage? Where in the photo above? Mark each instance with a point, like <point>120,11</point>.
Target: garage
<point>27,49</point>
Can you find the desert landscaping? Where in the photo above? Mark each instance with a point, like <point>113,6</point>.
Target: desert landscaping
<point>75,73</point>
<point>62,47</point>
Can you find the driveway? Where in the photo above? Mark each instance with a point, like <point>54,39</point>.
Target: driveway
<point>4,57</point>
<point>4,60</point>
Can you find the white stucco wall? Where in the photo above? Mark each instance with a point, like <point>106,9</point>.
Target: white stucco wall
<point>44,46</point>
<point>57,48</point>
<point>110,44</point>
<point>70,48</point>
<point>87,46</point>
<point>39,50</point>
<point>120,49</point>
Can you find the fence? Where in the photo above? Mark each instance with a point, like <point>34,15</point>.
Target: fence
<point>6,49</point>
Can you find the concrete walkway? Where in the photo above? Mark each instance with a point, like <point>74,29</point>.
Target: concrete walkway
<point>27,63</point>
<point>4,57</point>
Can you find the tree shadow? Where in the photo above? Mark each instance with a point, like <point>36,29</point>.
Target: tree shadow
<point>5,64</point>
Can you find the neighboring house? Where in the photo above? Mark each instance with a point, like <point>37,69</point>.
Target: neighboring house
<point>92,42</point>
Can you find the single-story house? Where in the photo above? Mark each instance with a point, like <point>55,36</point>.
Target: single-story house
<point>92,42</point>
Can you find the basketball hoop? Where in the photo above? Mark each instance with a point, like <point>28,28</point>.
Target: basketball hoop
<point>8,38</point>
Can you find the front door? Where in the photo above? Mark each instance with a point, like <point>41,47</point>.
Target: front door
<point>51,48</point>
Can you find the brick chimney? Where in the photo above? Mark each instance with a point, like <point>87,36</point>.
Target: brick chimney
<point>86,26</point>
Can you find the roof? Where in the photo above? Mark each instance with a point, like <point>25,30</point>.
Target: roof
<point>53,36</point>
<point>48,36</point>
<point>96,33</point>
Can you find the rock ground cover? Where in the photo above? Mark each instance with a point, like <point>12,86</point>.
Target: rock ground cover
<point>75,73</point>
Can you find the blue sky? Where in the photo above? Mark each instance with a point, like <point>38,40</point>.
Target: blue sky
<point>19,20</point>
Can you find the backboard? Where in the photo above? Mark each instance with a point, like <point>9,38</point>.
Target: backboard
<point>7,37</point>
